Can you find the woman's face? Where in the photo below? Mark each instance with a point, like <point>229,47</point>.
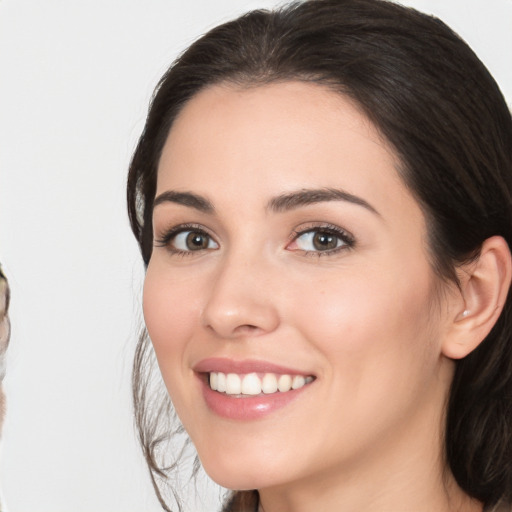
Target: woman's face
<point>288,252</point>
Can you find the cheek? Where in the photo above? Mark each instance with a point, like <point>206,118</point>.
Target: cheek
<point>170,316</point>
<point>367,316</point>
<point>379,355</point>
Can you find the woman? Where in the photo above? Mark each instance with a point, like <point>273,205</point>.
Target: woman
<point>322,196</point>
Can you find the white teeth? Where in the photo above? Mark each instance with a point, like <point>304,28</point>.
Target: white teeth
<point>298,381</point>
<point>269,383</point>
<point>233,384</point>
<point>284,383</point>
<point>221,382</point>
<point>214,378</point>
<point>251,384</point>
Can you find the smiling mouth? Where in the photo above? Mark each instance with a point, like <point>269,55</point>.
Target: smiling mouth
<point>253,384</point>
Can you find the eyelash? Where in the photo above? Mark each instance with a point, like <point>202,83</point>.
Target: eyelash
<point>348,240</point>
<point>329,229</point>
<point>168,236</point>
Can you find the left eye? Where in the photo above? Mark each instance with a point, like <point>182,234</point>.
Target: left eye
<point>319,240</point>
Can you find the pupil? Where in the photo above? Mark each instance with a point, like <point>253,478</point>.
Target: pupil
<point>196,241</point>
<point>324,241</point>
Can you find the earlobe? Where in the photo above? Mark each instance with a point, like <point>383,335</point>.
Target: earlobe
<point>484,285</point>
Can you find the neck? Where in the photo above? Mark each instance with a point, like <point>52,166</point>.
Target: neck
<point>350,498</point>
<point>399,489</point>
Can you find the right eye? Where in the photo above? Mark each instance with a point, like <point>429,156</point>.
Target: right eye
<point>187,240</point>
<point>193,241</point>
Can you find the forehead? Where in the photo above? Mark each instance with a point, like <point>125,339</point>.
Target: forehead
<point>270,139</point>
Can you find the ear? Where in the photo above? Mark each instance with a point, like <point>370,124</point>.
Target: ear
<point>484,286</point>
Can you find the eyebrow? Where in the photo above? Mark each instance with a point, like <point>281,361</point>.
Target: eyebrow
<point>304,197</point>
<point>186,199</point>
<point>278,204</point>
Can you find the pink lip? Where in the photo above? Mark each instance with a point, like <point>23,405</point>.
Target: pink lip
<point>224,365</point>
<point>250,407</point>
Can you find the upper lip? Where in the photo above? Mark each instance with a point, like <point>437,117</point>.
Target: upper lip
<point>242,367</point>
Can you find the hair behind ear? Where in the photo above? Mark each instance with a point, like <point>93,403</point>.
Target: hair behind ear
<point>479,418</point>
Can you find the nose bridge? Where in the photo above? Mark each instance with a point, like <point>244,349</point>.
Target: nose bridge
<point>240,300</point>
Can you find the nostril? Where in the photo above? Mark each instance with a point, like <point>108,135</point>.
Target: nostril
<point>240,330</point>
<point>247,329</point>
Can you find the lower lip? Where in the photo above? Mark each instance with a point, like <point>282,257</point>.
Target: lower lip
<point>249,407</point>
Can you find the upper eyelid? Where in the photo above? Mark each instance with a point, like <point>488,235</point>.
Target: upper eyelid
<point>319,226</point>
<point>167,234</point>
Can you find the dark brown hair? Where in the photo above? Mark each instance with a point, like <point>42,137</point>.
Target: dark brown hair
<point>444,115</point>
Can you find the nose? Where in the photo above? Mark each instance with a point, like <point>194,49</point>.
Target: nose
<point>241,302</point>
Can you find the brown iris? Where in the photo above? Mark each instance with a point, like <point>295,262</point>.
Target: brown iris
<point>197,241</point>
<point>323,241</point>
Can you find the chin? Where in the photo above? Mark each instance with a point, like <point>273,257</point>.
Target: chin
<point>236,481</point>
<point>240,476</point>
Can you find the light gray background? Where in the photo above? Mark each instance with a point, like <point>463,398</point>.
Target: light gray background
<point>75,80</point>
